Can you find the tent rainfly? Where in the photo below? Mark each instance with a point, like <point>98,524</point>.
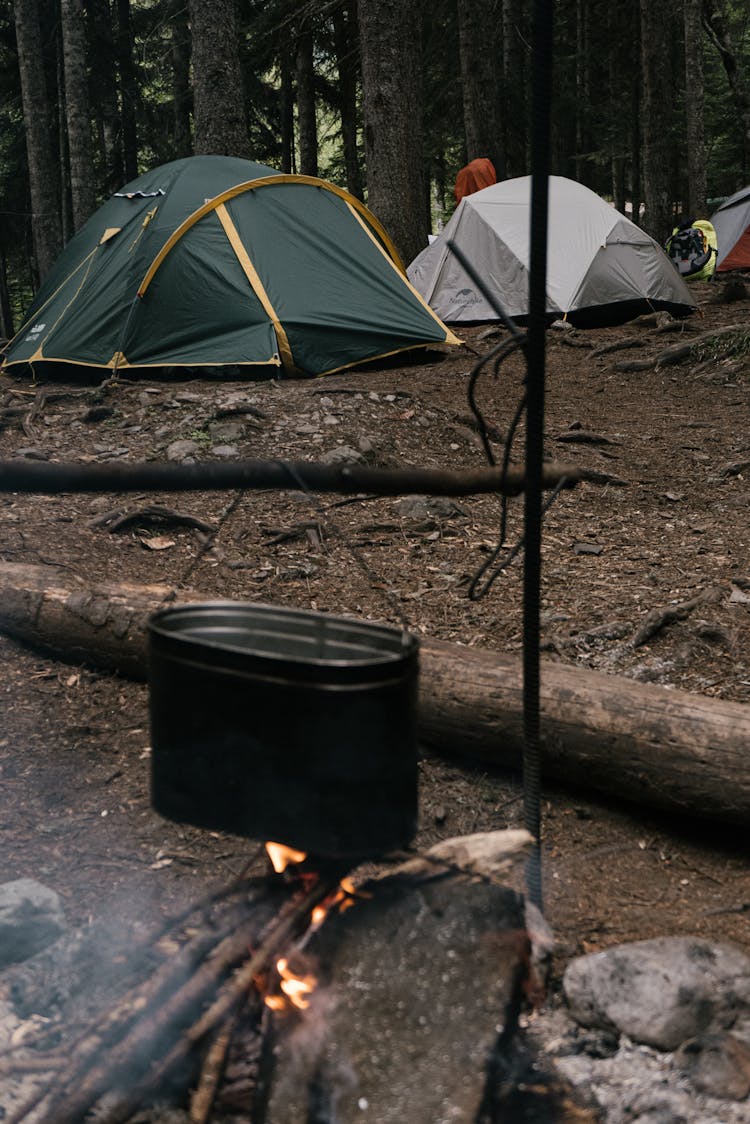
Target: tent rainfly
<point>216,261</point>
<point>731,222</point>
<point>601,267</point>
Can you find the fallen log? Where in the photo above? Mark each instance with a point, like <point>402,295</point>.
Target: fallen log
<point>715,344</point>
<point>661,748</point>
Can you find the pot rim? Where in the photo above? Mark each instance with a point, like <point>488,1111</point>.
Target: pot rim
<point>404,644</point>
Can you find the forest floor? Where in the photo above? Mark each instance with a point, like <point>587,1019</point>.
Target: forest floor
<point>74,742</point>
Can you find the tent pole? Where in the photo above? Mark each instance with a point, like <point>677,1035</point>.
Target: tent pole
<point>541,93</point>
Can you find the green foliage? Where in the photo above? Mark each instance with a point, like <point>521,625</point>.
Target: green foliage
<point>731,345</point>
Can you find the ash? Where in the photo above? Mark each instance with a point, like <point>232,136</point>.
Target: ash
<point>634,1084</point>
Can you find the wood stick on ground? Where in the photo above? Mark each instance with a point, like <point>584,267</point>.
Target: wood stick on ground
<point>202,1099</point>
<point>104,1031</point>
<point>658,618</point>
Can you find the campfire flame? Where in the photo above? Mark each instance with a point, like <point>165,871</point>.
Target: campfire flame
<point>282,856</point>
<point>296,987</point>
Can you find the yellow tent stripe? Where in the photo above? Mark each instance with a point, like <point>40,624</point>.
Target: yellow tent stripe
<point>252,185</point>
<point>119,360</point>
<point>256,284</point>
<point>85,263</point>
<point>449,336</point>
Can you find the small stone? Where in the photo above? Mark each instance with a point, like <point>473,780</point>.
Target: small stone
<point>31,918</point>
<point>717,1065</point>
<point>181,450</point>
<point>343,454</point>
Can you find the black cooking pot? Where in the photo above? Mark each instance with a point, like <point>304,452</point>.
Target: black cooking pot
<point>285,725</point>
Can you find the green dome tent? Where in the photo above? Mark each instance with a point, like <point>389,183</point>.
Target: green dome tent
<point>216,261</point>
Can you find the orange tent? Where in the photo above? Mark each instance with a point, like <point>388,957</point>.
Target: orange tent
<point>476,175</point>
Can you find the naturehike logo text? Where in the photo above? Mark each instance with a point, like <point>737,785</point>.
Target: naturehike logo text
<point>35,333</point>
<point>466,296</point>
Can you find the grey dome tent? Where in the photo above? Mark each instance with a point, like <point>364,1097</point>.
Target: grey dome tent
<point>601,268</point>
<point>731,222</point>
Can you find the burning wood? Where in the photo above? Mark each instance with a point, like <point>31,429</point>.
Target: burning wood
<point>159,1024</point>
<point>427,974</point>
<point>418,995</point>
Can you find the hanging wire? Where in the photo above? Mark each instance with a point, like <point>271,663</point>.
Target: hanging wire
<point>514,552</point>
<point>373,579</point>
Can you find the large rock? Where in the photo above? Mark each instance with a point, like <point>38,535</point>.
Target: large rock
<point>422,993</point>
<point>662,992</point>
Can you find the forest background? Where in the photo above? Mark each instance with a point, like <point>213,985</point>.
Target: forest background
<point>388,98</point>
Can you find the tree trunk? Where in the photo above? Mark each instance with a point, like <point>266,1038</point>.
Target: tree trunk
<point>6,312</point>
<point>286,95</point>
<point>219,104</point>
<point>636,164</point>
<point>480,77</point>
<point>695,137</point>
<point>181,97</point>
<point>39,131</point>
<point>306,115</point>
<point>715,22</point>
<point>66,212</point>
<point>104,94</point>
<point>657,27</point>
<point>583,92</point>
<point>621,78</point>
<point>128,90</point>
<point>77,111</point>
<point>668,749</point>
<point>345,41</point>
<point>390,39</point>
<point>514,88</point>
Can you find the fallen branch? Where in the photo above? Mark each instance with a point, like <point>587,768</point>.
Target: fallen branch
<point>660,617</point>
<point>584,437</point>
<point>234,992</point>
<point>156,513</point>
<point>618,345</point>
<point>53,477</point>
<point>202,1100</point>
<point>634,365</point>
<point>735,469</point>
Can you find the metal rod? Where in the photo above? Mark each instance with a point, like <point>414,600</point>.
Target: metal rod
<point>54,477</point>
<point>541,96</point>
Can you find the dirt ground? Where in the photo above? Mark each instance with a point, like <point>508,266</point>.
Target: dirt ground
<point>74,743</point>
